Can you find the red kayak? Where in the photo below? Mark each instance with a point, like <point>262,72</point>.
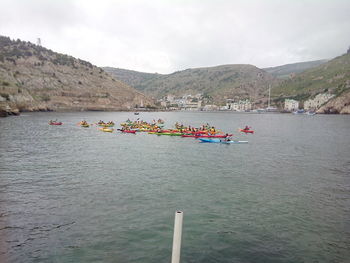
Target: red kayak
<point>214,136</point>
<point>55,123</point>
<point>246,131</point>
<point>129,131</point>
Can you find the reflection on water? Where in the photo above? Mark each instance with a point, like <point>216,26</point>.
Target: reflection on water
<point>69,194</point>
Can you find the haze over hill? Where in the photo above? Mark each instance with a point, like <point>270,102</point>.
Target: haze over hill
<point>35,78</point>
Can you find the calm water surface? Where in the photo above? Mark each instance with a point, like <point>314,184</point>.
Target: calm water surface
<point>69,194</point>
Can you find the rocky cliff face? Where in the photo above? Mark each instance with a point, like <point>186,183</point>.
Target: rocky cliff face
<point>340,104</point>
<point>33,78</point>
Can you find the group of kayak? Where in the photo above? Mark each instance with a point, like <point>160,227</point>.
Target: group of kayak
<point>105,124</point>
<point>140,125</point>
<point>205,133</point>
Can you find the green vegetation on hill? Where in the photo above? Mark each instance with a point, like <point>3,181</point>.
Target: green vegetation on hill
<point>332,77</point>
<point>284,71</point>
<point>131,77</point>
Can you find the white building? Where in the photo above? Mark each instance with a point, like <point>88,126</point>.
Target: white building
<point>170,98</point>
<point>244,105</point>
<point>241,105</point>
<point>291,105</point>
<point>229,104</point>
<point>210,107</point>
<point>192,105</point>
<point>318,101</point>
<point>164,104</point>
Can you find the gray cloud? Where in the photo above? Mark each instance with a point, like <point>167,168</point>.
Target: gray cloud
<point>164,36</point>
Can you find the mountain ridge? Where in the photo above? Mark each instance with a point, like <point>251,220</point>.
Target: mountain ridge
<point>284,71</point>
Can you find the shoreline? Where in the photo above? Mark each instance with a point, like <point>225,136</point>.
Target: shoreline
<point>4,114</point>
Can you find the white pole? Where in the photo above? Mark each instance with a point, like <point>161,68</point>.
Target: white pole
<point>175,257</point>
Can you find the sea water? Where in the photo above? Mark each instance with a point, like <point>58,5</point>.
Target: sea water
<point>72,194</point>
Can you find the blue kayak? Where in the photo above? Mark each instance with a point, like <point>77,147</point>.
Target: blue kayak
<point>209,140</point>
<point>216,140</point>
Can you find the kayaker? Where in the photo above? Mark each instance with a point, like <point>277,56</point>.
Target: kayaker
<point>227,138</point>
<point>246,128</point>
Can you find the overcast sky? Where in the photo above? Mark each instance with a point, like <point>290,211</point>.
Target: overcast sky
<point>170,35</point>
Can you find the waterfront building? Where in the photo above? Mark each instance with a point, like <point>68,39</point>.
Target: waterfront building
<point>241,105</point>
<point>170,98</point>
<point>165,104</point>
<point>229,104</point>
<point>210,107</point>
<point>245,105</point>
<point>192,105</point>
<point>291,105</point>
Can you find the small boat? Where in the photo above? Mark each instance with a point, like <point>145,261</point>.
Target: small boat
<point>128,131</point>
<point>297,112</point>
<point>85,125</point>
<point>107,125</point>
<point>215,140</point>
<point>310,113</point>
<point>246,131</point>
<point>136,113</point>
<point>190,135</point>
<point>55,123</point>
<point>105,129</point>
<point>214,136</point>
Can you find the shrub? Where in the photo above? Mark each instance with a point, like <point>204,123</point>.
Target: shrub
<point>44,97</point>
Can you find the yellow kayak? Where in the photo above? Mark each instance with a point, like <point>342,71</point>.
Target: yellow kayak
<point>106,129</point>
<point>106,124</point>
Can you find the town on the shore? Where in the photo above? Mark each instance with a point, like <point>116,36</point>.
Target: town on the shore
<point>196,103</point>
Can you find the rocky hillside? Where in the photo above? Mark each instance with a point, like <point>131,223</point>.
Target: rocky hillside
<point>33,78</point>
<point>131,77</point>
<point>340,104</point>
<point>285,71</point>
<point>216,83</point>
<point>332,77</point>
